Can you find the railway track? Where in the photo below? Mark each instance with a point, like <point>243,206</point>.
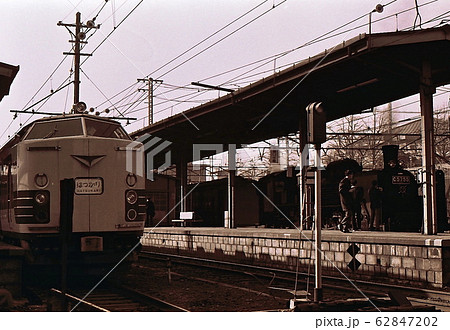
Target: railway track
<point>417,296</point>
<point>114,299</point>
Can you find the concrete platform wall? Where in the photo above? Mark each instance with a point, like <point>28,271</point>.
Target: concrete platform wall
<point>396,258</point>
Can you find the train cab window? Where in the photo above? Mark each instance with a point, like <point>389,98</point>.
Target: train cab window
<point>55,128</point>
<point>105,129</point>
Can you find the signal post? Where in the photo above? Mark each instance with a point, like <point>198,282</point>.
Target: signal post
<point>316,134</point>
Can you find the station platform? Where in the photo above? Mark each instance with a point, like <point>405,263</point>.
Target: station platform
<point>11,260</point>
<point>386,257</point>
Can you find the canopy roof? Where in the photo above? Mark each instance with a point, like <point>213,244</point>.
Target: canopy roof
<point>363,72</point>
<point>7,75</point>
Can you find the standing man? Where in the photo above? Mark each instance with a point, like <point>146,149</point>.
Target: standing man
<point>345,195</point>
<point>358,205</point>
<point>150,212</point>
<point>375,205</point>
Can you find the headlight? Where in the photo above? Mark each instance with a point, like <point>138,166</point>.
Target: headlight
<point>131,197</point>
<point>41,180</point>
<point>131,214</point>
<point>40,198</point>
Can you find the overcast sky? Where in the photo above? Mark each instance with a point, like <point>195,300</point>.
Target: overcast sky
<point>157,31</point>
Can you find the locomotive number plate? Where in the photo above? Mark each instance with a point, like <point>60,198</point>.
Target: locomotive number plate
<point>88,186</point>
<point>400,179</point>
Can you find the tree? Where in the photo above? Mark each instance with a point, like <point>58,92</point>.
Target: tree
<point>358,137</point>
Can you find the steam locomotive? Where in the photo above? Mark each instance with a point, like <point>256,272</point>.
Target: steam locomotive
<point>401,203</point>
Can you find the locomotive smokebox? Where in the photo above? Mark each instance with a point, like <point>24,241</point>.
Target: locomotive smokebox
<point>390,156</point>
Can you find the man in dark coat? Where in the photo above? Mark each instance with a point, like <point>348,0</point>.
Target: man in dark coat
<point>345,195</point>
<point>375,197</point>
<point>358,204</point>
<point>150,213</point>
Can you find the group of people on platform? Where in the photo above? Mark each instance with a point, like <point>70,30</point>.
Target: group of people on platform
<point>354,205</point>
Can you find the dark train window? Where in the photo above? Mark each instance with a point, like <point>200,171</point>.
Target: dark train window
<point>55,129</point>
<point>104,129</point>
<point>3,187</point>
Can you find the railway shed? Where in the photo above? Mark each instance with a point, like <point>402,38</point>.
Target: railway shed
<point>11,257</point>
<point>7,74</point>
<point>358,74</point>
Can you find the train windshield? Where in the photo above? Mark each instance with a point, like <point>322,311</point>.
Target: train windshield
<point>105,129</point>
<point>54,129</point>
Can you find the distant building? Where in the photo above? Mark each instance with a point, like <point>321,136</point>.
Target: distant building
<point>408,138</point>
<point>195,174</point>
<point>163,192</point>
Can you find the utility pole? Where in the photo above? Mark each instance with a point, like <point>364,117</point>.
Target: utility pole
<point>150,89</point>
<point>78,38</point>
<point>76,86</point>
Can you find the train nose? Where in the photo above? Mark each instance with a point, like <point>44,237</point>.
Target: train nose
<point>88,161</point>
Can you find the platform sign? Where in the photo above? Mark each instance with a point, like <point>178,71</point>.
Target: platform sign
<point>88,186</point>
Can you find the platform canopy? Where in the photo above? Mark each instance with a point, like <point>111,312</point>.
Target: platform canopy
<point>360,73</point>
<point>7,75</point>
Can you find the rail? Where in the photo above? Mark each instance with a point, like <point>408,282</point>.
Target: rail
<point>418,295</point>
<point>113,299</point>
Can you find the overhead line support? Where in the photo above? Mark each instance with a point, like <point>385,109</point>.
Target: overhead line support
<point>212,87</point>
<point>79,35</point>
<point>150,83</point>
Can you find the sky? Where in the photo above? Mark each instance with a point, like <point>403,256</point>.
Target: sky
<point>145,36</point>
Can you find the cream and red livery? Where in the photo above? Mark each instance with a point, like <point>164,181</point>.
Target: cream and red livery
<point>108,199</point>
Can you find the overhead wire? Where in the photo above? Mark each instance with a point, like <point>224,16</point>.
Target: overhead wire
<point>221,39</point>
<point>115,27</point>
<point>54,71</point>
<point>198,53</point>
<point>74,8</point>
<point>205,50</point>
<point>112,31</point>
<point>50,77</point>
<point>114,10</point>
<point>99,11</point>
<point>205,39</point>
<point>117,94</point>
<point>318,39</point>
<point>101,92</point>
<point>106,37</point>
<point>286,52</point>
<point>418,17</point>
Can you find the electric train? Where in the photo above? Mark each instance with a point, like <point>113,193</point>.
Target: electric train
<point>108,211</point>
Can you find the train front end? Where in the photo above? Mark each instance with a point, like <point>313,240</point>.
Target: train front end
<point>109,208</point>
